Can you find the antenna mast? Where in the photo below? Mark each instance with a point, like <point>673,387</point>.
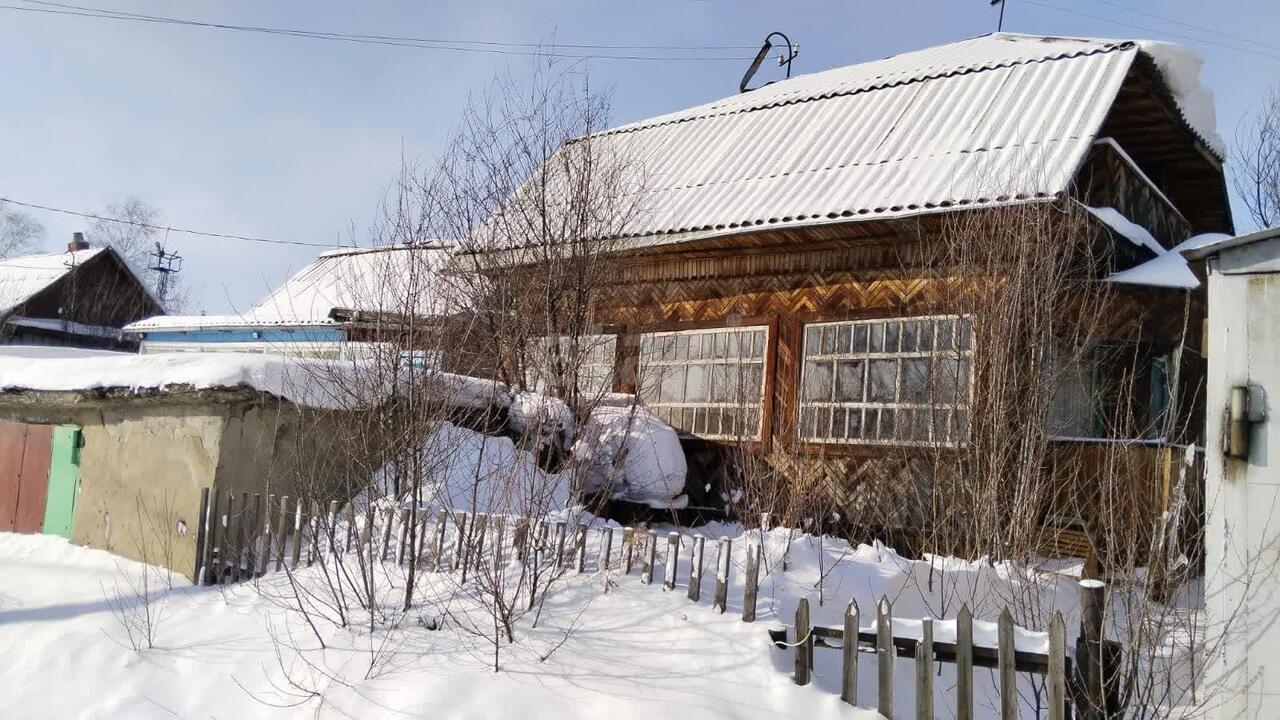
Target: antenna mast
<point>792,52</point>
<point>164,263</point>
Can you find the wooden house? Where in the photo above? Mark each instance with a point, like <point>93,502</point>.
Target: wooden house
<point>771,246</point>
<point>80,298</point>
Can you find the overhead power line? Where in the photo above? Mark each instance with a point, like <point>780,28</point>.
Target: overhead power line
<point>493,47</point>
<point>1189,26</point>
<point>1134,26</point>
<point>168,228</point>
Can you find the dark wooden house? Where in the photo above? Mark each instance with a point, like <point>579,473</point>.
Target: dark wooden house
<point>78,298</point>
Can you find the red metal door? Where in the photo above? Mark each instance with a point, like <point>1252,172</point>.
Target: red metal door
<point>24,475</point>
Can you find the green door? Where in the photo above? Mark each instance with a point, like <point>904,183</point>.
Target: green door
<point>64,481</point>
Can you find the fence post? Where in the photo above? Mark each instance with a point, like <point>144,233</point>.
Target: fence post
<point>388,519</point>
<point>460,555</point>
<point>964,664</point>
<point>232,555</point>
<point>215,553</point>
<point>270,535</point>
<point>333,528</point>
<point>673,561</point>
<point>1007,663</point>
<point>650,554</point>
<point>849,668</point>
<point>804,644</point>
<point>520,537</point>
<point>282,531</point>
<point>606,549</point>
<point>628,545</point>
<point>442,527</point>
<point>885,655</point>
<point>255,534</point>
<point>479,528</point>
<point>752,583</point>
<point>724,551</point>
<point>580,545</point>
<point>202,533</point>
<point>560,533</point>
<point>298,538</point>
<point>924,671</point>
<point>695,568</point>
<point>1057,668</point>
<point>404,535</point>
<point>1089,650</point>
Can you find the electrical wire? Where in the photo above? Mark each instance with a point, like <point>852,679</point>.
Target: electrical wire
<point>1113,21</point>
<point>1189,26</point>
<point>167,228</point>
<point>485,46</point>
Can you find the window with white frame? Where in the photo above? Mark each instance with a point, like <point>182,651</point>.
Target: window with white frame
<point>708,383</point>
<point>899,381</point>
<point>593,357</point>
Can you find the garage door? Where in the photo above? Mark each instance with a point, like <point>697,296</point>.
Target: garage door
<point>24,475</point>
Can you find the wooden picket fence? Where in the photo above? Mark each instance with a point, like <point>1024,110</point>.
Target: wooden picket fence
<point>241,537</point>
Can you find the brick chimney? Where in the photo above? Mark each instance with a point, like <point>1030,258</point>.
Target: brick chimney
<point>77,242</point>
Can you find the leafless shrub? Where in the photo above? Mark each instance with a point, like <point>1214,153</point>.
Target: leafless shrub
<point>138,600</point>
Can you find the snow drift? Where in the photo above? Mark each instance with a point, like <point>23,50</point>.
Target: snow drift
<point>632,455</point>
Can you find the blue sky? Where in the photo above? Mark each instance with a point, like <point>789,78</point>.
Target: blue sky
<point>296,139</point>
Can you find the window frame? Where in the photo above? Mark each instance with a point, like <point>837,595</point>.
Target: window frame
<point>843,351</point>
<point>759,358</point>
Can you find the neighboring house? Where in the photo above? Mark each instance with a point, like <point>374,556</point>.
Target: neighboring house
<point>770,244</point>
<point>79,298</point>
<point>1242,486</point>
<point>333,308</point>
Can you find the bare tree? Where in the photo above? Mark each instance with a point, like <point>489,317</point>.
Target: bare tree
<point>130,226</point>
<point>20,234</point>
<point>1257,172</point>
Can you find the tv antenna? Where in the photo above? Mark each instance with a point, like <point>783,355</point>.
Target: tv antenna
<point>783,59</point>
<point>1000,21</point>
<point>164,263</point>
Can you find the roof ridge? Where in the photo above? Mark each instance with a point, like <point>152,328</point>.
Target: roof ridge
<point>1104,46</point>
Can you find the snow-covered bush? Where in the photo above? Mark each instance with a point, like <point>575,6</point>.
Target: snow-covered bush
<point>632,455</point>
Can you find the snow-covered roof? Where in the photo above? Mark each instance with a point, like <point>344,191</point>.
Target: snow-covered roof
<point>991,120</point>
<point>21,278</point>
<point>1169,269</point>
<point>313,383</point>
<point>400,280</point>
<point>64,326</point>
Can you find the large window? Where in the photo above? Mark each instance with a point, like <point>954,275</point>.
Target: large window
<point>706,382</point>
<point>593,356</point>
<point>900,381</point>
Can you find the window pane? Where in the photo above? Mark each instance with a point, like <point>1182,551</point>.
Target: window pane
<point>965,333</point>
<point>697,387</point>
<point>713,421</point>
<point>876,342</point>
<point>758,346</point>
<point>722,345</point>
<point>822,424</point>
<point>828,340</point>
<point>925,338</point>
<point>849,380</point>
<point>708,341</point>
<point>884,379</point>
<point>909,330</point>
<point>817,380</point>
<point>853,430</point>
<point>946,380</point>
<point>887,421</point>
<point>946,334</point>
<point>682,348</point>
<point>700,421</point>
<point>842,341</point>
<point>892,331</point>
<point>859,339</point>
<point>729,422</point>
<point>671,378</point>
<point>915,380</point>
<point>812,340</point>
<point>752,382</point>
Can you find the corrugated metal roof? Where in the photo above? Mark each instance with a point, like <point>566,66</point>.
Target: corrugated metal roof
<point>24,276</point>
<point>371,279</point>
<point>990,120</point>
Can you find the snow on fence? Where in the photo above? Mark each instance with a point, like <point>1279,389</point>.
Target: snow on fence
<point>240,538</point>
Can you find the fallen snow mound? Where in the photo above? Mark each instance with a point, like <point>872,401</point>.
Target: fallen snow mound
<point>634,456</point>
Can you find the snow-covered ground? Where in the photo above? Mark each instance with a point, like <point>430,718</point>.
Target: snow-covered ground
<point>633,651</point>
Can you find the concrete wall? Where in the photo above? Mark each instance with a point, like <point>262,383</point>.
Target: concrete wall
<point>141,471</point>
<point>1242,544</point>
